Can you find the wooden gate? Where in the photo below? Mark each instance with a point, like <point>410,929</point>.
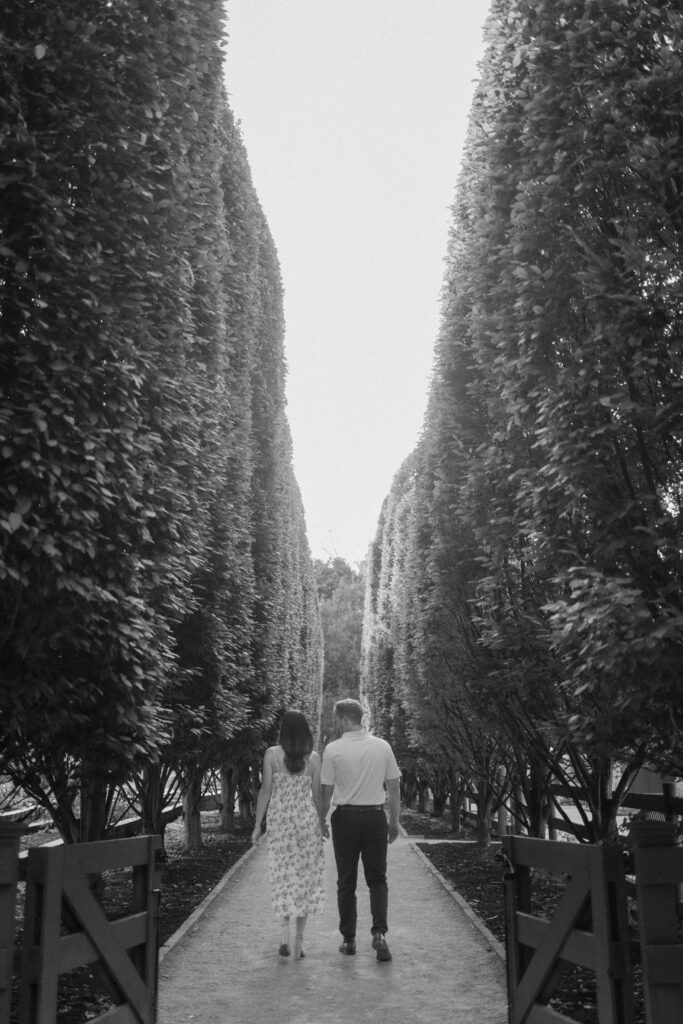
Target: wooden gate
<point>9,849</point>
<point>588,928</point>
<point>659,878</point>
<point>65,927</point>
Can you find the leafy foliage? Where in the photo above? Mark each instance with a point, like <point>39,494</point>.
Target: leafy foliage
<point>540,555</point>
<point>340,593</point>
<point>155,582</point>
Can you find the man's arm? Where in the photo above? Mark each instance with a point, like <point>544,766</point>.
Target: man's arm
<point>315,783</point>
<point>327,800</point>
<point>394,802</point>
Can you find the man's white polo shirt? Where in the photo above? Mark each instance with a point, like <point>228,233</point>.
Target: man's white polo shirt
<point>357,765</point>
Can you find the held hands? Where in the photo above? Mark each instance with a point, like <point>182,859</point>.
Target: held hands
<point>324,830</point>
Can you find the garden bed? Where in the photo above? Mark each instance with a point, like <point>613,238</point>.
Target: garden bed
<point>187,877</point>
<point>477,876</point>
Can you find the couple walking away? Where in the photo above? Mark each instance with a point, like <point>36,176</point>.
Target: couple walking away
<point>297,790</point>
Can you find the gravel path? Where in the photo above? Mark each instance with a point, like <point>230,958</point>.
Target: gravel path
<point>225,969</point>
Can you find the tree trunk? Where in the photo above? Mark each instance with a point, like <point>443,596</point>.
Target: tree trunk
<point>151,800</point>
<point>61,812</point>
<point>518,812</point>
<point>602,808</point>
<point>93,823</point>
<point>440,792</point>
<point>93,819</point>
<point>458,790</point>
<point>408,790</point>
<point>538,801</point>
<point>228,799</point>
<point>192,818</point>
<point>484,813</point>
<point>245,793</point>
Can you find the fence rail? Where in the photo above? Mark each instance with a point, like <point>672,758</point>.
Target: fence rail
<point>56,874</point>
<point>65,927</point>
<point>665,805</point>
<point>126,828</point>
<point>589,927</point>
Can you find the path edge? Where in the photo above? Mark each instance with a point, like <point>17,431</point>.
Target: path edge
<point>497,946</point>
<point>189,922</point>
<point>461,902</point>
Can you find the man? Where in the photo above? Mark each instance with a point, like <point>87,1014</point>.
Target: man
<point>355,769</point>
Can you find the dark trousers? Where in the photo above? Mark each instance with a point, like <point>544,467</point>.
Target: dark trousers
<point>360,833</point>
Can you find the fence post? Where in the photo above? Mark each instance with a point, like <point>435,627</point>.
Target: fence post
<point>146,899</point>
<point>657,922</point>
<point>9,871</point>
<point>517,895</point>
<point>614,979</point>
<point>668,796</point>
<point>42,919</point>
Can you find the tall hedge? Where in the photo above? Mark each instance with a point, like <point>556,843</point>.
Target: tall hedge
<point>545,544</point>
<point>143,439</point>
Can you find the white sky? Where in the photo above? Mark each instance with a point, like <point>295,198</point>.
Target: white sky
<point>353,113</point>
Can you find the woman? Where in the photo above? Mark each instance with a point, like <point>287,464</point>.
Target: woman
<point>290,792</point>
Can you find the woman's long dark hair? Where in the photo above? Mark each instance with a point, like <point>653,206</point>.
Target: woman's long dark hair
<point>296,739</point>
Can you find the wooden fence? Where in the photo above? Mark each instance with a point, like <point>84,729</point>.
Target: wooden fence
<point>30,816</point>
<point>56,874</point>
<point>665,806</point>
<point>589,926</point>
<point>539,952</point>
<point>9,871</point>
<point>658,865</point>
<point>588,929</point>
<point>65,927</point>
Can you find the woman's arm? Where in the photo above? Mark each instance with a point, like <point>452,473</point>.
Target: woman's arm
<point>316,790</point>
<point>263,798</point>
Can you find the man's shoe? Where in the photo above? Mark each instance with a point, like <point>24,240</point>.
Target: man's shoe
<point>379,943</point>
<point>349,947</point>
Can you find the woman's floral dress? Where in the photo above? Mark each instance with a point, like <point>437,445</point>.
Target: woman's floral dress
<point>295,846</point>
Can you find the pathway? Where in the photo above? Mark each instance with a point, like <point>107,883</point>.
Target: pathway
<point>225,969</point>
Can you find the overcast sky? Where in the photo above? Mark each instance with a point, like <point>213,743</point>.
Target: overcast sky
<point>353,113</point>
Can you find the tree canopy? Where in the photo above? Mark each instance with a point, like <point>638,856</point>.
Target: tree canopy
<point>340,593</point>
<point>156,586</point>
<point>530,554</point>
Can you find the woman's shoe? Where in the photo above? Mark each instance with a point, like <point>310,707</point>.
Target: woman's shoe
<point>298,951</point>
<point>284,937</point>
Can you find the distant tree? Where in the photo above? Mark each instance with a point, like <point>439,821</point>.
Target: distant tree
<point>340,593</point>
<point>330,575</point>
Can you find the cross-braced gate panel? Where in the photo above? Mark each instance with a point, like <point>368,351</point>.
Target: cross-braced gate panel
<point>65,927</point>
<point>588,928</point>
